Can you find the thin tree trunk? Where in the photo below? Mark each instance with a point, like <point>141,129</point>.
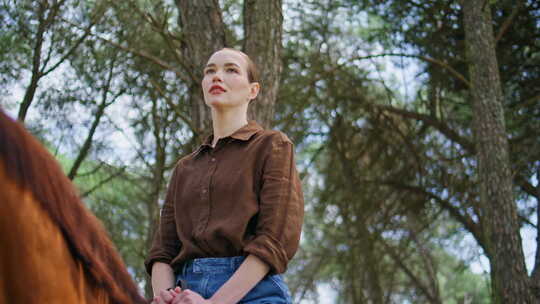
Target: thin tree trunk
<point>158,180</point>
<point>39,64</point>
<point>429,266</point>
<point>510,283</point>
<point>203,32</point>
<point>36,62</point>
<point>373,271</point>
<point>85,149</point>
<point>263,26</point>
<point>409,273</point>
<point>535,275</point>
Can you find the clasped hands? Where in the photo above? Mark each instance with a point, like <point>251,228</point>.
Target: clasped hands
<point>179,296</point>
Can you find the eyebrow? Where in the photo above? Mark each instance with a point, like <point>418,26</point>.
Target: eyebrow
<point>226,64</point>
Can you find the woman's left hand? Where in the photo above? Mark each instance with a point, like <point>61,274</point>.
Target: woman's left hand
<point>190,297</point>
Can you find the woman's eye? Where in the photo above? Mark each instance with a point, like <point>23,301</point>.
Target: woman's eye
<point>209,71</point>
<point>232,70</point>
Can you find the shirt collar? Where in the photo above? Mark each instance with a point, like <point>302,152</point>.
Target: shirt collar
<point>244,134</point>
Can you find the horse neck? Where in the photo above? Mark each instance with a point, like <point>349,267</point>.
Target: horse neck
<point>36,265</point>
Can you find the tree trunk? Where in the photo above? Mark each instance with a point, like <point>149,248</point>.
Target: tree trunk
<point>203,32</point>
<point>44,23</point>
<point>85,148</point>
<point>157,181</point>
<point>535,274</point>
<point>510,283</point>
<point>263,26</point>
<point>100,112</point>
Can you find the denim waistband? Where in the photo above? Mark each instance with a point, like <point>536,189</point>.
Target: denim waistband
<point>213,265</point>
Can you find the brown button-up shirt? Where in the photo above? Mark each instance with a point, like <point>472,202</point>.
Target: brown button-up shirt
<point>242,197</point>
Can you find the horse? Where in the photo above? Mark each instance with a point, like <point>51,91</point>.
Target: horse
<point>52,248</point>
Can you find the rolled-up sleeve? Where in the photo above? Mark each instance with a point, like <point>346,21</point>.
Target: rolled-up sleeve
<point>165,245</point>
<point>281,208</point>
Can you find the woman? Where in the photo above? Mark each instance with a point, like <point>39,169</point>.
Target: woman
<point>232,217</point>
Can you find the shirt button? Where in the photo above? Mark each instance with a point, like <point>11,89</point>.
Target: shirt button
<point>204,191</point>
<point>213,159</point>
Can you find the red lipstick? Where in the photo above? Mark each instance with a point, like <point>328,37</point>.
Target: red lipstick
<point>216,89</point>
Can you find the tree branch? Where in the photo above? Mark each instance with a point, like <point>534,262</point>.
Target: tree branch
<point>139,53</point>
<point>72,50</point>
<point>433,122</point>
<point>172,105</point>
<point>440,63</point>
<point>97,118</point>
<point>103,182</point>
<point>408,272</point>
<point>465,220</point>
<point>508,22</point>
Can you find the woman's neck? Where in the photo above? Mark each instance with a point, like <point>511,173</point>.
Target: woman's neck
<point>227,122</point>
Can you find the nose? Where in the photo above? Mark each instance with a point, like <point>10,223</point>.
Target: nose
<point>216,77</point>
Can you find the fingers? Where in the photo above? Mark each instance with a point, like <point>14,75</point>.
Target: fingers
<point>184,297</point>
<point>165,296</point>
<point>188,297</point>
<point>157,300</point>
<point>179,298</point>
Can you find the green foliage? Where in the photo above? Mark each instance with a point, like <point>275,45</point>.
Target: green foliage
<point>113,195</point>
<point>459,284</point>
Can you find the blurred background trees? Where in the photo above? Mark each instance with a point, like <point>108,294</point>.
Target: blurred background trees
<point>379,97</point>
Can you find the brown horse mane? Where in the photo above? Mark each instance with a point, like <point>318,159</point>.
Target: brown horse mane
<point>34,169</point>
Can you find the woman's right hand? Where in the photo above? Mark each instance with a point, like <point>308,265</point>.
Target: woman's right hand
<point>163,278</point>
<point>166,296</point>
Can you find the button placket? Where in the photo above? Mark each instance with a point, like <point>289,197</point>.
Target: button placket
<point>205,197</point>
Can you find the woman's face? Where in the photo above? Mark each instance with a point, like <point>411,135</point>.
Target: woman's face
<point>225,82</point>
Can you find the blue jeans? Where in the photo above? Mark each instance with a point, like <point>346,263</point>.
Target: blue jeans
<point>205,276</point>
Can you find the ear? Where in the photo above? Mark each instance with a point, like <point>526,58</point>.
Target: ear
<point>254,90</point>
